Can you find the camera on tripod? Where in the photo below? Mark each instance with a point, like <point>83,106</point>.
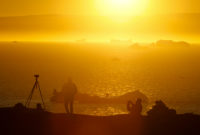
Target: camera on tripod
<point>35,86</point>
<point>36,76</point>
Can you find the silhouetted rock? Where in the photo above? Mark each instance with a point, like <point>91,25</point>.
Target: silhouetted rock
<point>19,106</point>
<point>33,122</point>
<point>161,110</point>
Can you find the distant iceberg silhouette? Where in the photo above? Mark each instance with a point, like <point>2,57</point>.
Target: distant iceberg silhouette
<point>88,99</point>
<point>171,43</point>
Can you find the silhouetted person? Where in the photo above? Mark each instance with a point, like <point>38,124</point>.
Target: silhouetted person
<point>135,109</point>
<point>138,106</point>
<point>69,91</point>
<point>130,107</point>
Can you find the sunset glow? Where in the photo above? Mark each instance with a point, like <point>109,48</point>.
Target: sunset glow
<point>122,7</point>
<point>100,67</point>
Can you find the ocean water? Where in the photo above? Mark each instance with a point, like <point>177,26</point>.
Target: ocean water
<point>171,74</point>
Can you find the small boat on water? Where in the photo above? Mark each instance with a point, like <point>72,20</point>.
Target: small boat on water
<point>89,99</point>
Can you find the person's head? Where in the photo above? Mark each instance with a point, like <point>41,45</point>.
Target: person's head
<point>139,101</point>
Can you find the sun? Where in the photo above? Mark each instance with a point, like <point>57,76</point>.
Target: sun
<point>121,7</point>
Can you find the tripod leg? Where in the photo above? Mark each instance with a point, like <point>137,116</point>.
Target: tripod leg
<point>41,94</point>
<point>30,96</point>
<point>28,100</point>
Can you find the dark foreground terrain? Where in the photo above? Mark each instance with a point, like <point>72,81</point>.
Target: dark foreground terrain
<point>159,121</point>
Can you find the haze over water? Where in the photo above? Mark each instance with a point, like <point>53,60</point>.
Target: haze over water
<point>167,73</point>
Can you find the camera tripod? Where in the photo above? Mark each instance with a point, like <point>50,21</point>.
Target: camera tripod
<point>35,86</point>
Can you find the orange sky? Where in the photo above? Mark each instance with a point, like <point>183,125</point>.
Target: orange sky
<point>100,20</point>
<point>27,7</point>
